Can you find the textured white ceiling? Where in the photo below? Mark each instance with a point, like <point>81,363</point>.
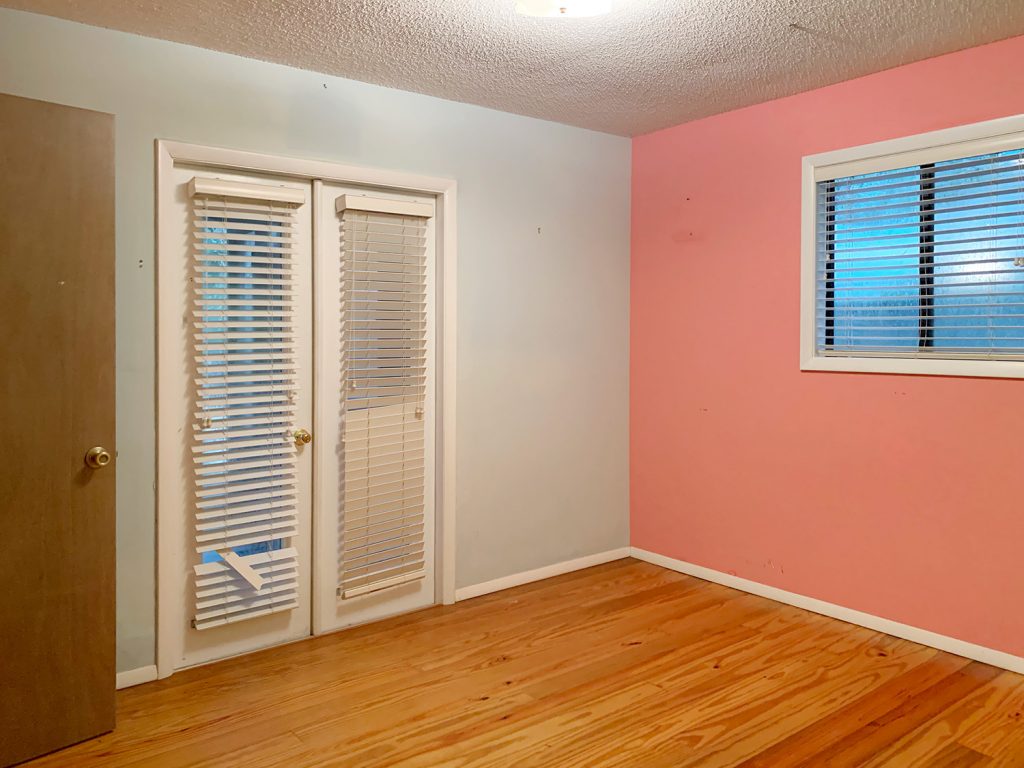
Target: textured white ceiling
<point>647,65</point>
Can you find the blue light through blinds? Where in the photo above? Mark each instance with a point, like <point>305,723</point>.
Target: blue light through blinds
<point>925,261</point>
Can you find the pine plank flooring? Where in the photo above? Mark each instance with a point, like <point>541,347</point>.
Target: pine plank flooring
<point>625,664</point>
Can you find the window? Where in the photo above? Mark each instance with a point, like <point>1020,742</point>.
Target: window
<point>914,259</point>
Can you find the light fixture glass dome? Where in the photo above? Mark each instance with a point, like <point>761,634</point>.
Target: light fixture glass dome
<point>563,8</point>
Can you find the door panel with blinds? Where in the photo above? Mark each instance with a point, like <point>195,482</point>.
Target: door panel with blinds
<point>243,389</point>
<point>923,261</point>
<point>375,272</point>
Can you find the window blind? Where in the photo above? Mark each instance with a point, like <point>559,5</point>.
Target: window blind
<point>383,385</point>
<point>244,369</point>
<point>923,261</point>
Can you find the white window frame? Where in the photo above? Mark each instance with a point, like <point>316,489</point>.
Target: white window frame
<point>936,146</point>
<point>171,153</point>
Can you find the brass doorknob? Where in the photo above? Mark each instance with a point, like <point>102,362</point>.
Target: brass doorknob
<point>302,437</point>
<point>97,457</point>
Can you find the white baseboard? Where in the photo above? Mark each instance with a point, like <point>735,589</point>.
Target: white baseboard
<point>131,677</point>
<point>557,569</point>
<point>876,623</point>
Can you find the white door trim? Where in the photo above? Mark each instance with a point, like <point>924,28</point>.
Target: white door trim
<point>169,153</point>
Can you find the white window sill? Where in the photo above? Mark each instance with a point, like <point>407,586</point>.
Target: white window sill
<point>919,366</point>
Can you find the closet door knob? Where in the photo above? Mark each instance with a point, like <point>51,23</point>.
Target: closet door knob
<point>302,437</point>
<point>97,457</point>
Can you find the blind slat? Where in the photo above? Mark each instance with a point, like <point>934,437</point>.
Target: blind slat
<point>278,593</point>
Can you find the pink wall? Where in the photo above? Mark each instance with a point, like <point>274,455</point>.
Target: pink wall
<point>900,496</point>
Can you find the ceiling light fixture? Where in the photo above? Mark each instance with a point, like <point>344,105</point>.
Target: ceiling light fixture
<point>563,8</point>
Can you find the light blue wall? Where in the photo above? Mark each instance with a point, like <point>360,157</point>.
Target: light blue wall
<point>543,280</point>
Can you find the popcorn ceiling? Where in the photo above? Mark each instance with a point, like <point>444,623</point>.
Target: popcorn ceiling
<point>648,65</point>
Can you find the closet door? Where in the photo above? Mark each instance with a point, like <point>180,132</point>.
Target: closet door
<point>375,391</point>
<point>236,391</point>
<point>57,378</point>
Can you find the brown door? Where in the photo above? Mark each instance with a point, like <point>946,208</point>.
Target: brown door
<point>56,402</point>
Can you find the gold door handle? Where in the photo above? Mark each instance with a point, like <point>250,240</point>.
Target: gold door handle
<point>97,457</point>
<point>302,437</point>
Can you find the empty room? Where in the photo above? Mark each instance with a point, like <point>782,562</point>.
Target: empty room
<point>511,383</point>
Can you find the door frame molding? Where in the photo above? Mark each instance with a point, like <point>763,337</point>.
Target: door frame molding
<point>169,153</point>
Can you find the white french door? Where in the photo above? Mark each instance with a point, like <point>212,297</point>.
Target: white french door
<point>374,510</point>
<point>241,390</point>
<point>296,335</point>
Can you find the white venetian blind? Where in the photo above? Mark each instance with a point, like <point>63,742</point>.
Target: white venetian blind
<point>383,385</point>
<point>243,362</point>
<point>923,261</point>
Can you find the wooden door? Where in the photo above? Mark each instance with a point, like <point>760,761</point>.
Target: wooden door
<point>57,675</point>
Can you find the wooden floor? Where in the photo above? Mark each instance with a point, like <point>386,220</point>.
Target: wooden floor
<point>625,664</point>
